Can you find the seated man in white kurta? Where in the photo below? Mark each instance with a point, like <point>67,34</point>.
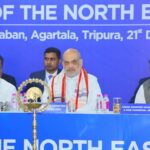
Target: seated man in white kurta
<point>74,85</point>
<point>6,91</point>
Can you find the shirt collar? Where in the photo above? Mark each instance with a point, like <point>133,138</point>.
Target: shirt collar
<point>53,74</point>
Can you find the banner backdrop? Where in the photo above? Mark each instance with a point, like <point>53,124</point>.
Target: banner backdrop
<point>113,38</point>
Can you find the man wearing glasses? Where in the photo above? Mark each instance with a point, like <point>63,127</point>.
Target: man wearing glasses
<point>74,85</point>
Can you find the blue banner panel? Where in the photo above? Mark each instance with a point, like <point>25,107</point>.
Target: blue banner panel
<point>75,131</point>
<point>112,36</point>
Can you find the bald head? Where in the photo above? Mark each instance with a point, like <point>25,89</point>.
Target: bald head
<point>71,52</point>
<point>72,62</point>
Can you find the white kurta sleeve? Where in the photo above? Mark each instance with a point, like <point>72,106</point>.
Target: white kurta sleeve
<point>11,89</point>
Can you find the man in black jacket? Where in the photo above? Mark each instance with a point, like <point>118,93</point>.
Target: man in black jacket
<point>5,76</point>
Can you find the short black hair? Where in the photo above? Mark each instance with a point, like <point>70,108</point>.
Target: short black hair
<point>53,50</point>
<point>1,59</point>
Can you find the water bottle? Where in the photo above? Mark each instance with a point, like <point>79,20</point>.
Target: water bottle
<point>105,103</point>
<point>14,104</point>
<point>99,102</point>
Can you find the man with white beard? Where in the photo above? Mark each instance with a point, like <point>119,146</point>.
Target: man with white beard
<point>74,85</point>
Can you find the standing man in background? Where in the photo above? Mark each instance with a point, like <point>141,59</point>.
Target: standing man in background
<point>5,76</point>
<point>52,59</point>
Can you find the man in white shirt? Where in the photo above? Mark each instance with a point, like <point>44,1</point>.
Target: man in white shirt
<point>74,85</point>
<point>6,91</point>
<point>7,77</point>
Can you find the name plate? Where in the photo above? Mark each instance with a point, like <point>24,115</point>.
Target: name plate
<point>56,107</point>
<point>135,108</point>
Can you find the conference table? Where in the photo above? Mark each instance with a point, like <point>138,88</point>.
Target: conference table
<point>58,131</point>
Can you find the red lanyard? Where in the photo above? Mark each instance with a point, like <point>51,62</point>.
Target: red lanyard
<point>52,88</point>
<point>63,89</point>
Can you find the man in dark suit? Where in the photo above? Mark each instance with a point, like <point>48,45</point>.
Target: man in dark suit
<point>4,76</point>
<point>52,59</point>
<point>141,81</point>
